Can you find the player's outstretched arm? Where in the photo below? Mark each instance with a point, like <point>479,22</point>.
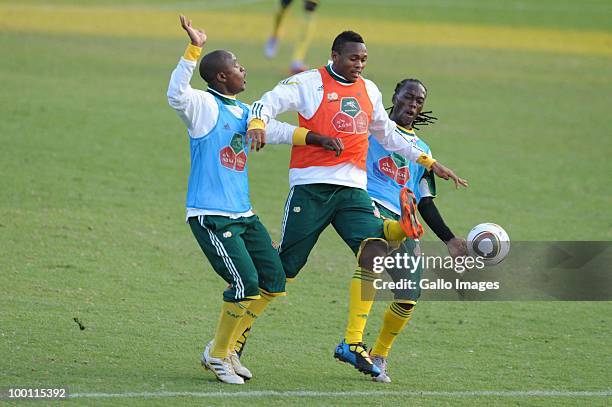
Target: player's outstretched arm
<point>285,96</point>
<point>285,133</point>
<point>384,131</point>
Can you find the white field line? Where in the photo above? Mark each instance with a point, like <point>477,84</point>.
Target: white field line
<point>308,393</point>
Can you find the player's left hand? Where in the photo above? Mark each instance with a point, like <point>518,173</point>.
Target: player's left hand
<point>328,143</point>
<point>257,138</point>
<point>457,247</point>
<point>446,173</point>
<point>333,144</point>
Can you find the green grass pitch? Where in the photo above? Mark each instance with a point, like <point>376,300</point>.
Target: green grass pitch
<point>94,166</point>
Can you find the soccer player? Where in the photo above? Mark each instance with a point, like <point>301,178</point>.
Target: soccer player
<point>219,211</point>
<point>388,173</point>
<point>300,49</point>
<point>326,189</point>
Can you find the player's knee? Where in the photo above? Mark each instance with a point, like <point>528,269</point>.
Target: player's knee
<point>310,5</point>
<point>369,250</point>
<point>291,267</point>
<point>290,274</point>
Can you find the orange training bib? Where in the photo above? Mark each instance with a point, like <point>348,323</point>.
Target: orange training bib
<point>345,112</point>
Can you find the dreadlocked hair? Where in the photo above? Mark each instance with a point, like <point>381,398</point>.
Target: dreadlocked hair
<point>423,118</point>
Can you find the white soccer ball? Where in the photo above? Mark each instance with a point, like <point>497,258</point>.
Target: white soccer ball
<point>489,241</point>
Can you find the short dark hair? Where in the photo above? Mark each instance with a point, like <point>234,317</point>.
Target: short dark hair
<point>213,63</point>
<point>343,38</point>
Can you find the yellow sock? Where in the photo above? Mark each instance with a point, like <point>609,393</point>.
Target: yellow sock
<point>361,298</point>
<point>301,48</point>
<point>231,314</point>
<point>393,230</point>
<point>253,311</point>
<point>278,19</point>
<point>396,318</point>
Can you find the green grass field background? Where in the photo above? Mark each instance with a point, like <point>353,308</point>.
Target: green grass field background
<point>94,167</point>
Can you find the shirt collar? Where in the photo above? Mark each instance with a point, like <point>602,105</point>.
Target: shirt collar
<point>226,99</point>
<point>408,132</point>
<point>337,77</point>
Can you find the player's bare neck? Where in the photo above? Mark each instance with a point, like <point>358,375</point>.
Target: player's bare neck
<point>334,73</point>
<point>407,126</point>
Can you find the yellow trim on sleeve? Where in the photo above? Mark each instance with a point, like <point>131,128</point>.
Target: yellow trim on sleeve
<point>257,124</point>
<point>426,161</point>
<point>299,136</point>
<point>192,53</point>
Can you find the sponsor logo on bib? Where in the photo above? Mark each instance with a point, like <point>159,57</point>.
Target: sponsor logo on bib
<point>350,119</point>
<point>350,106</point>
<point>234,156</point>
<point>395,167</point>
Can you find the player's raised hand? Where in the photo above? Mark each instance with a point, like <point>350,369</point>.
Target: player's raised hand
<point>328,143</point>
<point>257,138</point>
<point>446,173</point>
<point>197,36</point>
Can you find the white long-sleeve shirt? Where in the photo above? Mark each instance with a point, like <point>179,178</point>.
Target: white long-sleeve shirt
<point>303,93</point>
<point>200,112</point>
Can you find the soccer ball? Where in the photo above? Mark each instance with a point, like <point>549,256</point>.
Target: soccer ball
<point>489,241</point>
